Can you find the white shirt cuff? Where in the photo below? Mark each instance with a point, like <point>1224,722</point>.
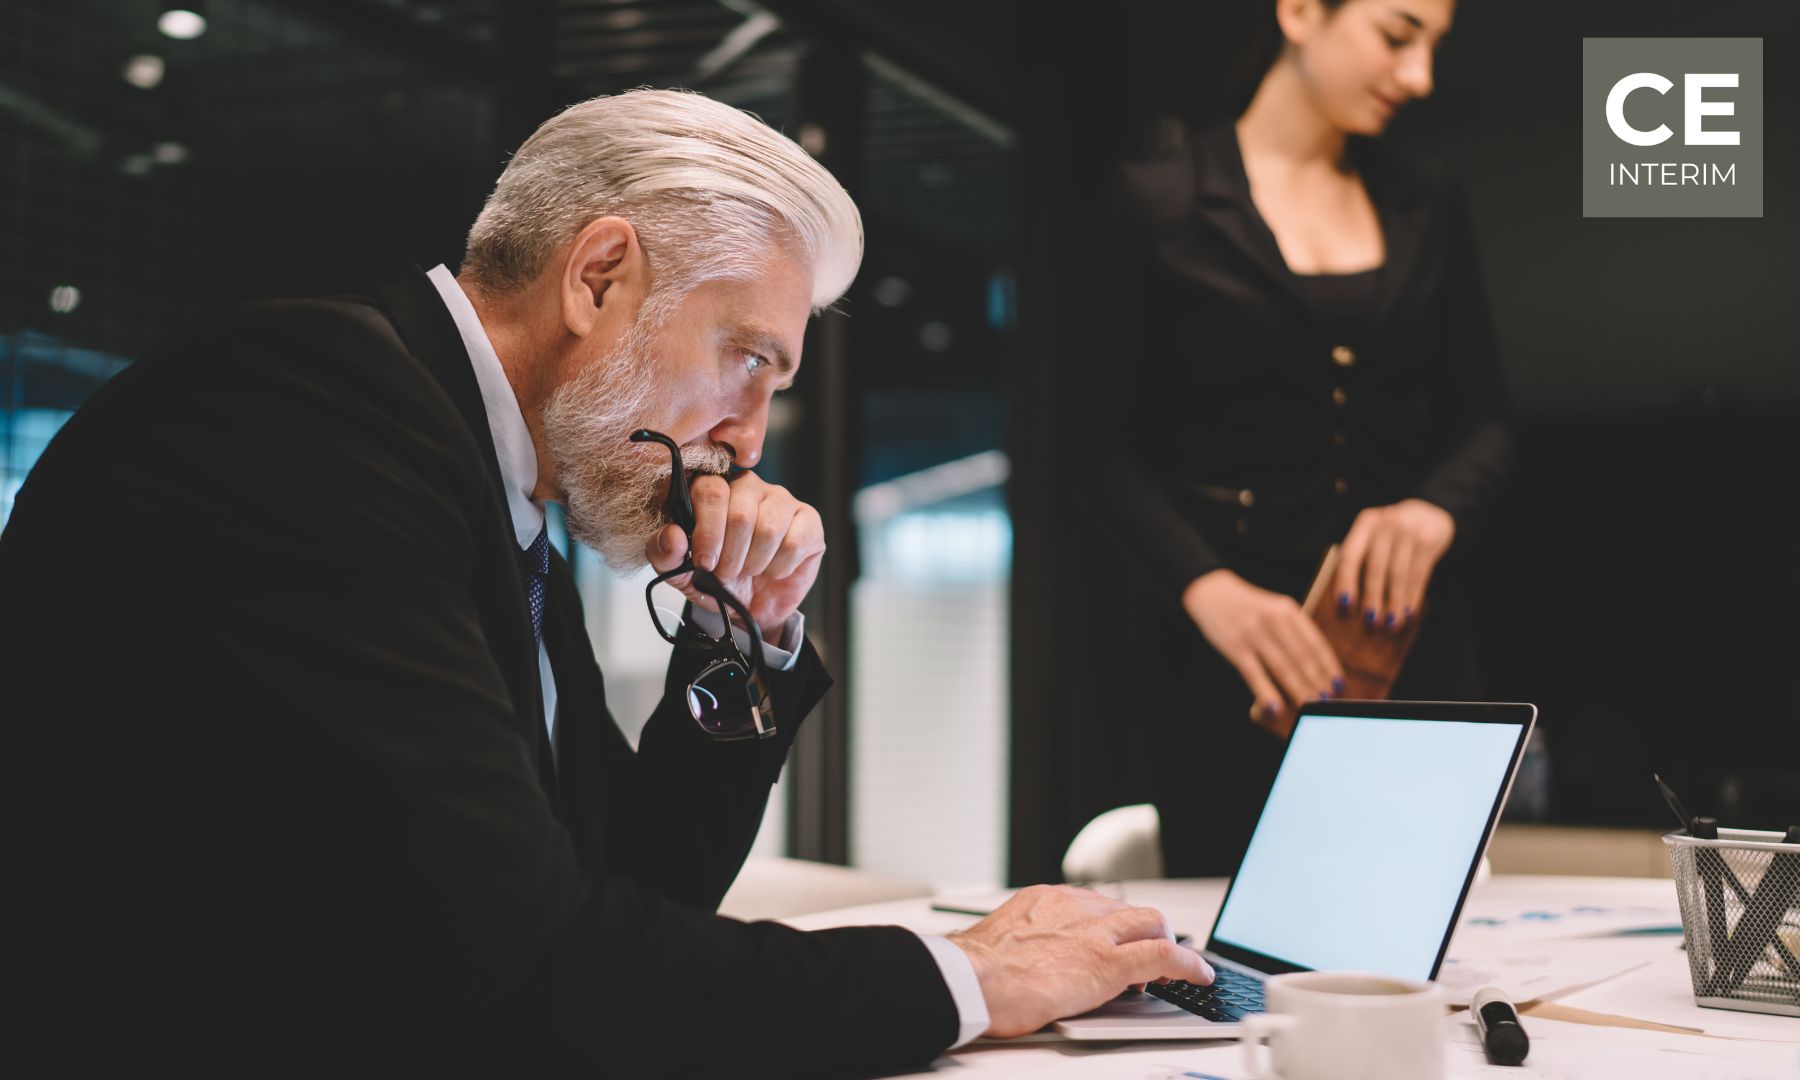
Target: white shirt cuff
<point>965,988</point>
<point>793,632</point>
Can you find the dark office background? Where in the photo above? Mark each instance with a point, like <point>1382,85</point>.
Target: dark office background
<point>1638,583</point>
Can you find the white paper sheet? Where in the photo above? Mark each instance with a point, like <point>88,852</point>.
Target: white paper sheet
<point>1539,970</point>
<point>1663,992</point>
<point>1562,1051</point>
<point>1559,1051</point>
<point>1558,921</point>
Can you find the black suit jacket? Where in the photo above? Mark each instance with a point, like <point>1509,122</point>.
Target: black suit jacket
<point>1231,421</point>
<point>279,731</point>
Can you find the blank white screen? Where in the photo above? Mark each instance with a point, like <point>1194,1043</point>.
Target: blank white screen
<point>1367,837</point>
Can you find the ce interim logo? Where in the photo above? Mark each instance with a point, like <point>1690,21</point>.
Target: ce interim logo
<point>1671,127</point>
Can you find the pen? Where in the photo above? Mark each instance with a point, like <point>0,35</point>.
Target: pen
<point>1502,1036</point>
<point>1712,884</point>
<point>952,909</point>
<point>1764,910</point>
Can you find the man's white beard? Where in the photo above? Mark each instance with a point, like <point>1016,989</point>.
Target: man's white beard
<point>613,489</point>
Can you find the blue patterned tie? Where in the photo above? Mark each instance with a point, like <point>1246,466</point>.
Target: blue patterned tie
<point>537,572</point>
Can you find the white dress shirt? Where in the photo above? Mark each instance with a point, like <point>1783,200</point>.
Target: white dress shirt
<point>518,469</point>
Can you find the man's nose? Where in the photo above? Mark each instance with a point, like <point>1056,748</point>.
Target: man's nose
<point>744,434</point>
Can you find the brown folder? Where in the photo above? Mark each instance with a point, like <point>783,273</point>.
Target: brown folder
<point>1370,656</point>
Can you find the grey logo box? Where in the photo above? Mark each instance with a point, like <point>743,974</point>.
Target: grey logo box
<point>1675,177</point>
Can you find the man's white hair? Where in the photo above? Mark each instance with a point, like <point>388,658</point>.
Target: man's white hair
<point>709,188</point>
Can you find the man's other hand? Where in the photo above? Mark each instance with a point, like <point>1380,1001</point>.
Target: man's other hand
<point>1054,951</point>
<point>762,543</point>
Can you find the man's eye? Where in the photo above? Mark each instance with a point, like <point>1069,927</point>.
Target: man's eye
<point>754,362</point>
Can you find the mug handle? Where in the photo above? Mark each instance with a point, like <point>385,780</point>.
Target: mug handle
<point>1256,1030</point>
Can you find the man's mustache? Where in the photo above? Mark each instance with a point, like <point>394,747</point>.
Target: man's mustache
<point>704,459</point>
<point>707,459</point>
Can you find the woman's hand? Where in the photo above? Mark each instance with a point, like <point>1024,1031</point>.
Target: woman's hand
<point>1272,643</point>
<point>1388,558</point>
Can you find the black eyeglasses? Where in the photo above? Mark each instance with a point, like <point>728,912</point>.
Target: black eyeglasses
<point>726,698</point>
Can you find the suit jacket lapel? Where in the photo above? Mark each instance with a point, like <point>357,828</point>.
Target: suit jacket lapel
<point>1222,191</point>
<point>424,323</point>
<point>418,313</point>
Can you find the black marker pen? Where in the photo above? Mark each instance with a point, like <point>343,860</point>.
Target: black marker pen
<point>1502,1036</point>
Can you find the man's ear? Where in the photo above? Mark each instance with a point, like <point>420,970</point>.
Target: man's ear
<point>605,277</point>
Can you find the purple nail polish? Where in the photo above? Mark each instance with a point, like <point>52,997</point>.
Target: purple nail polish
<point>1338,684</point>
<point>1389,621</point>
<point>1343,603</point>
<point>1269,709</point>
<point>1368,616</point>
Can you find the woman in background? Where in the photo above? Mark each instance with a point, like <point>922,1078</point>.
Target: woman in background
<point>1304,356</point>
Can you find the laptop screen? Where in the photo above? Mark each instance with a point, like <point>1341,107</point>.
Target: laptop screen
<point>1366,842</point>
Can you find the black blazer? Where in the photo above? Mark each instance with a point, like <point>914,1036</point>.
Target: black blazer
<point>1234,434</point>
<point>277,720</point>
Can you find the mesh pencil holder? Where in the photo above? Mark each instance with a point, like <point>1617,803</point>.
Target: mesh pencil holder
<point>1740,914</point>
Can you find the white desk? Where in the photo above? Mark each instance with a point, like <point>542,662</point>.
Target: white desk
<point>1658,991</point>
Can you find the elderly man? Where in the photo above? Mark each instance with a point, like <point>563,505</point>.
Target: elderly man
<point>319,762</point>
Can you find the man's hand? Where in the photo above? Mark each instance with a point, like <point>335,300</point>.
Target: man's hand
<point>1388,559</point>
<point>760,541</point>
<point>1054,951</point>
<point>1275,647</point>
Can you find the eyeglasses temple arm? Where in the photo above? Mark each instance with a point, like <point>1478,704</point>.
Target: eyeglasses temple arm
<point>679,506</point>
<point>732,602</point>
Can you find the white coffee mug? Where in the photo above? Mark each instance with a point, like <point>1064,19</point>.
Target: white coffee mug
<point>1347,1025</point>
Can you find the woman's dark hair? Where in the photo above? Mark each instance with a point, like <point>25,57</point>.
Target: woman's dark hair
<point>1194,63</point>
<point>1259,43</point>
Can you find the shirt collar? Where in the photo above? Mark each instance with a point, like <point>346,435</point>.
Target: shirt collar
<point>506,421</point>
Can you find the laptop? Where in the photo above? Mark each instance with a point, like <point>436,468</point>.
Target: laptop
<point>1361,859</point>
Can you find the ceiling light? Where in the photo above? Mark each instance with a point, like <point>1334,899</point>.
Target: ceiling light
<point>936,336</point>
<point>183,21</point>
<point>892,291</point>
<point>64,299</point>
<point>144,71</point>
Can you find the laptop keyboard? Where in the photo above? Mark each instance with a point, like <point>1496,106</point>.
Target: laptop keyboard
<point>1232,996</point>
